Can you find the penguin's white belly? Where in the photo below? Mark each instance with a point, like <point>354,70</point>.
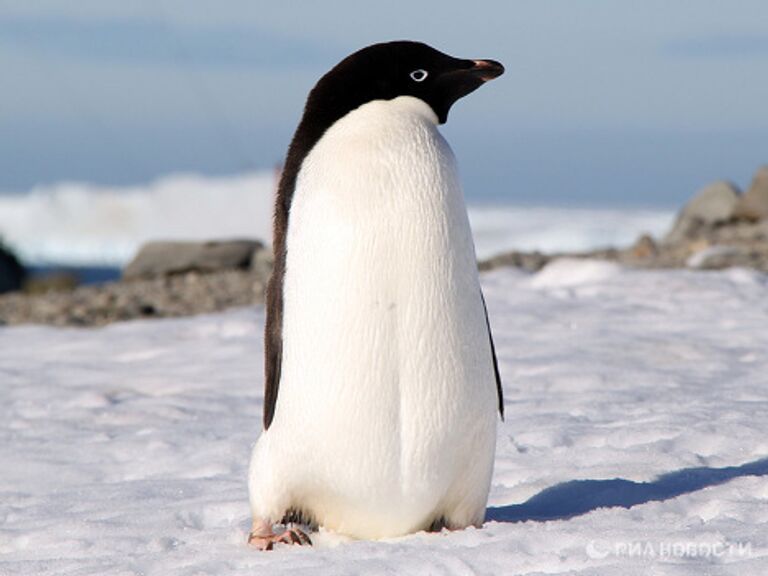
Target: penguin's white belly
<point>386,412</point>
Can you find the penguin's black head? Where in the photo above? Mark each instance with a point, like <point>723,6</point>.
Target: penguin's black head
<point>386,71</point>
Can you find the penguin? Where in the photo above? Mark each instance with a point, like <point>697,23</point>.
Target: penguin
<point>382,389</point>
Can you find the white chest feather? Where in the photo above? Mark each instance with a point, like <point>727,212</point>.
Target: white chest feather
<point>387,380</point>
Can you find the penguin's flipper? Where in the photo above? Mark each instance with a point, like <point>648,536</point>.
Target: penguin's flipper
<point>272,382</point>
<point>499,391</point>
<point>273,340</point>
<point>273,331</point>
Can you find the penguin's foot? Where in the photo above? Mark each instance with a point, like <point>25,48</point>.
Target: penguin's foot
<point>263,537</point>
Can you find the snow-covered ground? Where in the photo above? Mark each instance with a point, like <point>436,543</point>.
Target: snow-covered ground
<point>88,225</point>
<point>636,439</point>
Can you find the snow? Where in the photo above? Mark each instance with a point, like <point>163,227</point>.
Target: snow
<point>84,224</point>
<point>502,227</point>
<point>636,438</point>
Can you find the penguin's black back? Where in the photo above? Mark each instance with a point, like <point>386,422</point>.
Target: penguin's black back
<point>378,72</point>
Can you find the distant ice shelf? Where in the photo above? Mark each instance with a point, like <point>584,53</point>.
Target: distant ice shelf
<point>86,225</point>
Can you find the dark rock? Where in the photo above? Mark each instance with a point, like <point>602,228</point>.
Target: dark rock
<point>159,259</point>
<point>12,273</point>
<point>753,205</point>
<point>712,205</point>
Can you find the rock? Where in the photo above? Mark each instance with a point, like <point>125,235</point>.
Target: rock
<point>53,282</point>
<point>753,205</point>
<point>714,204</point>
<point>12,273</point>
<point>96,305</point>
<point>160,259</point>
<point>261,263</point>
<point>718,257</point>
<point>528,261</point>
<point>644,248</point>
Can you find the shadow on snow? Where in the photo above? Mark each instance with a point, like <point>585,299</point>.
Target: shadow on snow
<point>577,497</point>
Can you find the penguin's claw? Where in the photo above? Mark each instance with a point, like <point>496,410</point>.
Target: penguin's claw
<point>304,539</point>
<point>291,535</point>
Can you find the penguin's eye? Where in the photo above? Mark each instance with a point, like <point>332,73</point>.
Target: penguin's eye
<point>419,75</point>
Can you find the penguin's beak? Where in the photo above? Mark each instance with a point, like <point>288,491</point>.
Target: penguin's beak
<point>464,77</point>
<point>487,69</point>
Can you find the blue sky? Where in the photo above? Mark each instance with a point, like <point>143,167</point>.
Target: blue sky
<point>616,102</point>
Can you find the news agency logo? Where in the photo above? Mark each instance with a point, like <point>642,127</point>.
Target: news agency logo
<point>667,549</point>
